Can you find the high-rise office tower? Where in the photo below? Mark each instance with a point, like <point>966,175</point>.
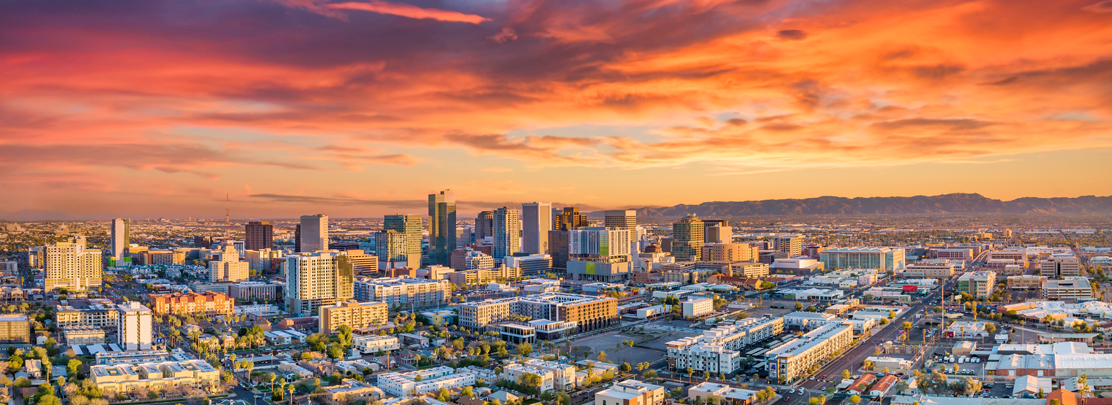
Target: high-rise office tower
<point>121,237</point>
<point>391,247</point>
<point>314,233</point>
<point>69,265</point>
<point>536,221</point>
<point>687,239</point>
<point>442,226</point>
<point>507,232</point>
<point>318,279</point>
<point>559,248</point>
<point>484,226</point>
<point>569,219</point>
<point>410,225</point>
<point>621,219</point>
<point>260,235</point>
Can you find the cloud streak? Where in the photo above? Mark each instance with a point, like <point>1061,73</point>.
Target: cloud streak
<point>408,11</point>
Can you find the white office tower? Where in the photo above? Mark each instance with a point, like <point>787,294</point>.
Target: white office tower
<point>598,242</point>
<point>121,237</point>
<point>620,219</point>
<point>134,328</point>
<point>537,221</point>
<point>69,265</point>
<point>507,232</point>
<point>314,232</point>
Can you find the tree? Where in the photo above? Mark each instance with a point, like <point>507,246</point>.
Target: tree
<point>467,392</point>
<point>524,349</point>
<point>625,367</point>
<point>651,375</point>
<point>49,399</point>
<point>846,374</point>
<point>690,373</point>
<point>15,363</point>
<point>602,356</point>
<point>1055,402</point>
<point>867,364</point>
<point>798,306</point>
<point>73,367</point>
<point>443,395</point>
<point>855,399</point>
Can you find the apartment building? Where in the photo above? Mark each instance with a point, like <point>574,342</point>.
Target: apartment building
<point>515,371</point>
<point>631,392</point>
<point>1012,256</point>
<point>411,293</point>
<point>979,284</point>
<point>99,313</point>
<point>15,329</point>
<point>207,303</point>
<point>129,377</point>
<point>71,266</point>
<point>424,381</point>
<point>371,344</point>
<point>718,350</point>
<point>83,335</point>
<point>1060,265</point>
<point>357,315</point>
<point>134,329</point>
<point>585,312</point>
<point>1070,288</point>
<point>253,290</point>
<point>484,276</point>
<point>317,279</point>
<point>1026,282</point>
<point>791,245</point>
<point>790,360</point>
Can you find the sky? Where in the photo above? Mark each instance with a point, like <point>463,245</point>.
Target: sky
<point>165,108</point>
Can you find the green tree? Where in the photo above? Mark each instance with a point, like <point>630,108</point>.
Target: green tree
<point>443,395</point>
<point>15,363</point>
<point>855,399</point>
<point>602,356</point>
<point>524,349</point>
<point>846,374</point>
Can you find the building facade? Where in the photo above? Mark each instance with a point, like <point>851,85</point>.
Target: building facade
<point>313,233</point>
<point>71,266</point>
<point>317,279</point>
<point>258,235</point>
<point>442,227</point>
<point>357,315</point>
<point>208,303</point>
<point>687,239</point>
<point>881,258</point>
<point>134,330</point>
<point>507,232</point>
<point>536,221</point>
<point>410,225</point>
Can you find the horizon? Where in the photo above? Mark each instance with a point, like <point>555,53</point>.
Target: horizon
<point>360,108</point>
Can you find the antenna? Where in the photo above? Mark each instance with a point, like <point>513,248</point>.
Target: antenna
<point>227,217</point>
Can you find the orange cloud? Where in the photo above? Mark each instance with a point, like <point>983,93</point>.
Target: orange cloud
<point>408,11</point>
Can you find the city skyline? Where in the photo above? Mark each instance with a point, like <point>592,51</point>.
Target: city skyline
<point>359,109</point>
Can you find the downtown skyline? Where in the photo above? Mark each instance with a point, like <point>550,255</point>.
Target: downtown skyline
<point>359,109</point>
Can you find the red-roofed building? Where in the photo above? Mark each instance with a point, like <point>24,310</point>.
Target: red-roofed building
<point>881,387</point>
<point>192,303</point>
<point>862,384</point>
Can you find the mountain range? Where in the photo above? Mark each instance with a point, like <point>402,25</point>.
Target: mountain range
<point>939,204</point>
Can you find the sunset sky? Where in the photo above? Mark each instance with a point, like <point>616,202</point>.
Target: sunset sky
<point>159,108</point>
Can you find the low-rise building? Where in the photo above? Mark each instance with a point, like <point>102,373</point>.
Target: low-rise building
<point>83,335</point>
<point>790,360</point>
<point>15,329</point>
<point>370,344</point>
<point>696,307</point>
<point>207,303</point>
<point>1026,282</point>
<point>718,350</point>
<point>425,381</point>
<point>129,377</point>
<point>631,392</point>
<point>708,392</point>
<point>1071,288</point>
<point>357,315</point>
<point>979,284</point>
<point>352,390</point>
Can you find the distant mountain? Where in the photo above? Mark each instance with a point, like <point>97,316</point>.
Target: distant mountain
<point>28,215</point>
<point>939,204</point>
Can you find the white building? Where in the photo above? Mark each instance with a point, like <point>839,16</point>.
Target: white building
<point>134,330</point>
<point>696,307</point>
<point>718,350</point>
<point>809,320</point>
<point>792,359</point>
<point>314,232</point>
<point>431,380</point>
<point>370,344</point>
<point>1075,288</point>
<point>631,392</point>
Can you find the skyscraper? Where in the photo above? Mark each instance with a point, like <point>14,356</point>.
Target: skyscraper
<point>569,219</point>
<point>536,222</point>
<point>314,233</point>
<point>391,248</point>
<point>687,239</point>
<point>259,236</point>
<point>121,237</point>
<point>409,225</point>
<point>484,226</point>
<point>318,279</point>
<point>507,232</point>
<point>621,219</point>
<point>69,265</point>
<point>792,245</point>
<point>442,226</point>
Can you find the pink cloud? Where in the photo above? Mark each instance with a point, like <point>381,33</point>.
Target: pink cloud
<point>406,10</point>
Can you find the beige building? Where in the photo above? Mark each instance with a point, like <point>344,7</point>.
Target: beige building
<point>83,335</point>
<point>129,377</point>
<point>98,313</point>
<point>229,267</point>
<point>479,276</point>
<point>317,279</point>
<point>794,358</point>
<point>410,293</point>
<point>929,269</point>
<point>979,284</point>
<point>357,315</point>
<point>1060,265</point>
<point>687,239</point>
<point>631,392</point>
<point>585,312</point>
<point>15,329</point>
<point>1076,288</point>
<point>730,252</point>
<point>71,266</point>
<point>1027,282</point>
